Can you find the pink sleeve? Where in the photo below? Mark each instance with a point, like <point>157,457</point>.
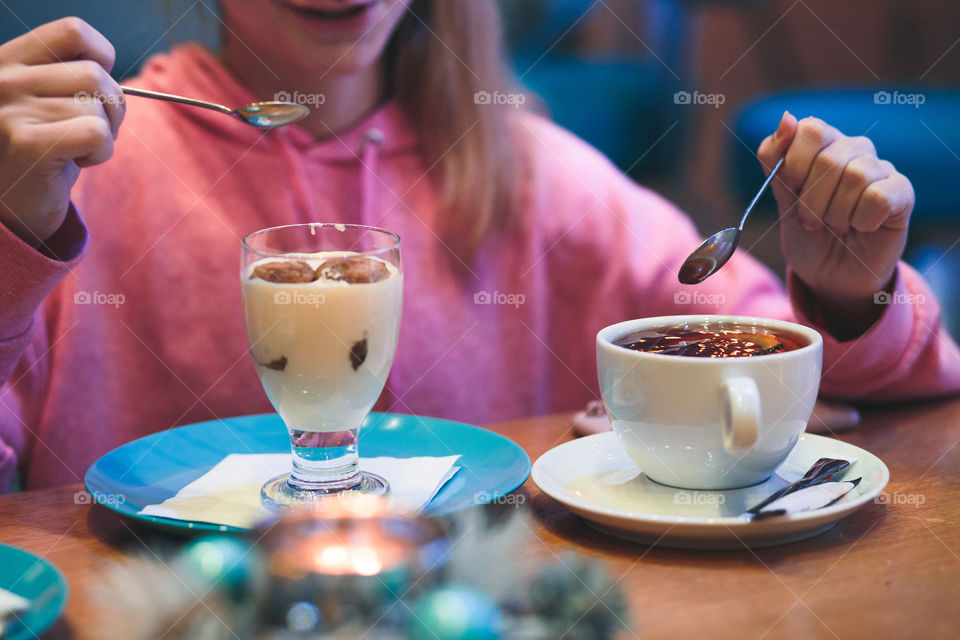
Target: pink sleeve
<point>907,354</point>
<point>27,276</point>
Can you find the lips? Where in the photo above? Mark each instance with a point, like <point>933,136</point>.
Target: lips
<point>330,10</point>
<point>332,21</point>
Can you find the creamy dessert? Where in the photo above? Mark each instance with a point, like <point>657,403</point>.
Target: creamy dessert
<point>323,330</point>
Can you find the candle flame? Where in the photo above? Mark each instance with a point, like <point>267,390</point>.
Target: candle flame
<point>366,561</point>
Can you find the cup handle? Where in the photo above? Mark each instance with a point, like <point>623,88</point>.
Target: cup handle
<point>741,422</point>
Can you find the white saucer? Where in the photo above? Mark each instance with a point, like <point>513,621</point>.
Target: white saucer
<point>594,478</point>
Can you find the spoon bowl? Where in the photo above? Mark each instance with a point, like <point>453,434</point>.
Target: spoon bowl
<point>714,252</point>
<point>271,114</point>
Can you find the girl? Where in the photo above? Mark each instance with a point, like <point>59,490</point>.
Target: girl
<point>126,320</point>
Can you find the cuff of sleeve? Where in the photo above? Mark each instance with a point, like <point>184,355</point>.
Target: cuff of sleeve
<point>854,367</point>
<point>28,275</point>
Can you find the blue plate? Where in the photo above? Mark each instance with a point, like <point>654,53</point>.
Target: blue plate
<point>155,467</point>
<point>37,580</point>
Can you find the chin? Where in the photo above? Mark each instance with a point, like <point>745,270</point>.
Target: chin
<point>341,44</point>
<point>304,35</point>
<point>337,59</point>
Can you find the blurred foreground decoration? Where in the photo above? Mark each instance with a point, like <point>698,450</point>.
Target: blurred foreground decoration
<point>354,569</point>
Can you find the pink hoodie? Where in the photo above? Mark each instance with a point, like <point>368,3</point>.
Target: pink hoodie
<point>140,329</point>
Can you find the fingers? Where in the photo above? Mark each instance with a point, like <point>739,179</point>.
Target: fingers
<point>826,172</point>
<point>60,41</point>
<point>813,136</point>
<point>83,82</point>
<point>885,203</point>
<point>89,83</point>
<point>49,110</point>
<point>68,78</point>
<point>826,175</point>
<point>858,174</point>
<point>86,139</point>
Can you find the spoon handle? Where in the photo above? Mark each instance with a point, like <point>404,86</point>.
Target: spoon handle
<point>763,188</point>
<point>156,95</point>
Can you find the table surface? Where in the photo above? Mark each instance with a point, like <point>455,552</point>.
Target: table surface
<point>890,570</point>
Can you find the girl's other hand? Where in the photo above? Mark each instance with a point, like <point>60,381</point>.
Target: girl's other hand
<point>843,218</point>
<point>59,111</point>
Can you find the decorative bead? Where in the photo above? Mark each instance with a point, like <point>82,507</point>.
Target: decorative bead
<point>456,613</point>
<point>226,563</point>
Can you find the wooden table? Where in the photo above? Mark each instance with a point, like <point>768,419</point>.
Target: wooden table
<point>891,570</point>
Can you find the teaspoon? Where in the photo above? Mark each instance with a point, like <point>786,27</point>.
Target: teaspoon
<point>717,249</point>
<point>258,114</point>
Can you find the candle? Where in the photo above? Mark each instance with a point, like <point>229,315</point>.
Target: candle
<point>355,535</point>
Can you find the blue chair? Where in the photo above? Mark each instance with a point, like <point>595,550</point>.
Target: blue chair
<point>621,105</point>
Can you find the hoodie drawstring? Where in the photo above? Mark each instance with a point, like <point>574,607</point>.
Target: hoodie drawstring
<point>300,183</point>
<point>370,148</point>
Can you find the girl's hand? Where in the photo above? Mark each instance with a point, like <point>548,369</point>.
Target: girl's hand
<point>59,111</point>
<point>843,218</point>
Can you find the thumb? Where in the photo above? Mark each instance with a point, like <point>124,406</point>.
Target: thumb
<point>772,149</point>
<point>775,146</point>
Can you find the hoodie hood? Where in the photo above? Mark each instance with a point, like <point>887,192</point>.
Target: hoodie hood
<point>194,71</point>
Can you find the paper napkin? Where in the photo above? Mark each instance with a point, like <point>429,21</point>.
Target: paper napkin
<point>229,494</point>
<point>11,603</point>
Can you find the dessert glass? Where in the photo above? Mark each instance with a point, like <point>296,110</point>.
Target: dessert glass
<point>322,305</point>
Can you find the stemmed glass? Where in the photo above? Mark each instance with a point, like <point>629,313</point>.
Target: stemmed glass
<point>322,305</point>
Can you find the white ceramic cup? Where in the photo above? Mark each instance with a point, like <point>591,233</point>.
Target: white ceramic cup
<point>709,423</point>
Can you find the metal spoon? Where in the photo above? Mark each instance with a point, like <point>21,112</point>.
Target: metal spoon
<point>717,249</point>
<point>258,114</point>
<point>822,470</point>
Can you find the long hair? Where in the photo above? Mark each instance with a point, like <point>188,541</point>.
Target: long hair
<point>446,64</point>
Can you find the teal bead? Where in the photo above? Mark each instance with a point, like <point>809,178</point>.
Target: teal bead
<point>226,563</point>
<point>456,613</point>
